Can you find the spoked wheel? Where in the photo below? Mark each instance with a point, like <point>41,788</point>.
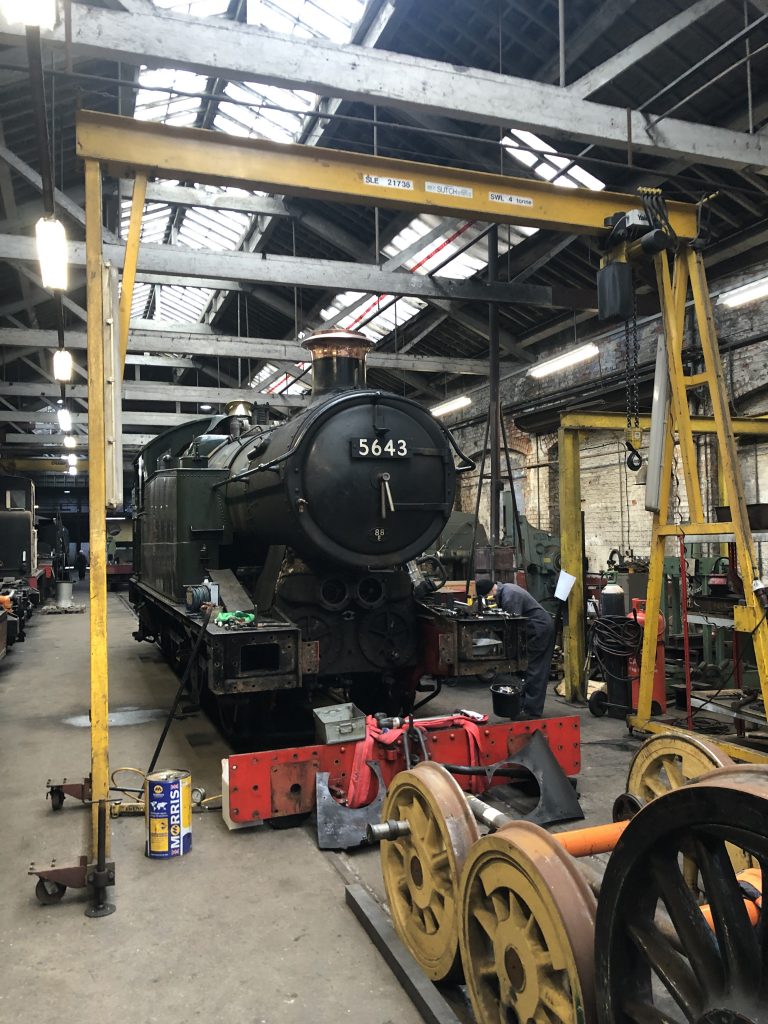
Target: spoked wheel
<point>668,761</point>
<point>657,960</point>
<point>527,930</point>
<point>421,870</point>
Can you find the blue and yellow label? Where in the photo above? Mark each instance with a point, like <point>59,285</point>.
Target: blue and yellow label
<point>169,814</point>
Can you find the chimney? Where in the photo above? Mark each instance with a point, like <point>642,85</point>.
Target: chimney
<point>338,361</point>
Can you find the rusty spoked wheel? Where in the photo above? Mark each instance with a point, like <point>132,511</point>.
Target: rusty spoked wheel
<point>657,961</point>
<point>527,930</point>
<point>421,870</point>
<point>668,761</point>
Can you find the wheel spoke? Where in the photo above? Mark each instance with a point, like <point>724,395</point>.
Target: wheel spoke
<point>487,921</point>
<point>646,1013</point>
<point>674,769</point>
<point>672,970</point>
<point>696,937</point>
<point>735,935</point>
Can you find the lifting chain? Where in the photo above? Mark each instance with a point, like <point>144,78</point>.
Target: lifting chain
<point>634,435</point>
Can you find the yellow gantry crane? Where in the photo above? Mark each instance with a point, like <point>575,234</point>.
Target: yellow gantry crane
<point>140,150</point>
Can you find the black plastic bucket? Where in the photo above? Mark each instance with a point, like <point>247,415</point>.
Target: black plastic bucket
<point>507,698</point>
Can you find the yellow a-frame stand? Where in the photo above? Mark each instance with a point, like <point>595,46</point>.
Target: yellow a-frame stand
<point>687,276</point>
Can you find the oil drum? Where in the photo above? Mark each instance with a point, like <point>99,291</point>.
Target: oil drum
<point>168,804</point>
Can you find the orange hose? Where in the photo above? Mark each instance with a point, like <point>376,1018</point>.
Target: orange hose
<point>754,877</point>
<point>585,842</point>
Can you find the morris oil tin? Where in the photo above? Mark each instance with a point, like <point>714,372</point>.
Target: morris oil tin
<point>168,802</point>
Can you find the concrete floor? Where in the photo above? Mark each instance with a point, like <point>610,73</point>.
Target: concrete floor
<point>250,927</point>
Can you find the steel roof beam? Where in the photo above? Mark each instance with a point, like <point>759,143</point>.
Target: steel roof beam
<point>182,195</point>
<point>152,391</point>
<point>248,53</point>
<point>298,271</point>
<point>610,69</point>
<point>213,345</point>
<point>129,417</point>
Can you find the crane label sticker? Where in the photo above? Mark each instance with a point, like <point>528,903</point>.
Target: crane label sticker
<point>376,448</point>
<point>440,188</point>
<point>383,181</point>
<point>510,199</point>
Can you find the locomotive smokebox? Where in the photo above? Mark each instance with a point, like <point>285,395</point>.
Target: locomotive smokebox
<point>338,361</point>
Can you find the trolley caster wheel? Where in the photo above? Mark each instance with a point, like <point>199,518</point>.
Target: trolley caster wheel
<point>48,892</point>
<point>598,703</point>
<point>57,799</point>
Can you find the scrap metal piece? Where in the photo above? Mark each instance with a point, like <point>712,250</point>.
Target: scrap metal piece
<point>557,798</point>
<point>339,827</point>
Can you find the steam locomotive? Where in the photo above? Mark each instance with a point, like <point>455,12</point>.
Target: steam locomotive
<point>296,549</point>
<point>32,558</point>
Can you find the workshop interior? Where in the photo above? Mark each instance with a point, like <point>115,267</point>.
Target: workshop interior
<point>383,510</point>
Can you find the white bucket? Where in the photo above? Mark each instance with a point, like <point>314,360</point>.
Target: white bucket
<point>64,594</point>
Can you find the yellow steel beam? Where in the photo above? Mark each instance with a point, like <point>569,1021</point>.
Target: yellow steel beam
<point>97,484</point>
<point>126,145</point>
<point>571,542</point>
<point>734,750</point>
<point>756,426</point>
<point>131,261</point>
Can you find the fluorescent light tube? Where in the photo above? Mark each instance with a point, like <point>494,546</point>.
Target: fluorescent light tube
<point>70,441</point>
<point>747,293</point>
<point>562,362</point>
<point>451,405</point>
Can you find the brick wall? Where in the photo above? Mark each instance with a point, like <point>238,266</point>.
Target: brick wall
<point>613,503</point>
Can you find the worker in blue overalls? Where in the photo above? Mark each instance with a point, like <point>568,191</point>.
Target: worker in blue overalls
<point>540,632</point>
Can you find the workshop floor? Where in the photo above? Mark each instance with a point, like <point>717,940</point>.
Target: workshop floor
<point>250,927</point>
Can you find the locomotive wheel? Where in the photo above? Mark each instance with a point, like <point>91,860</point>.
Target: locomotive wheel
<point>527,930</point>
<point>421,870</point>
<point>671,967</point>
<point>668,761</point>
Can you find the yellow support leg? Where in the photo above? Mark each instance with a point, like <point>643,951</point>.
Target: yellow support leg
<point>131,261</point>
<point>96,501</point>
<point>571,541</point>
<point>728,453</point>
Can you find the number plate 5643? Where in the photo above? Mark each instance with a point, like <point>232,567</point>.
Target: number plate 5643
<point>376,448</point>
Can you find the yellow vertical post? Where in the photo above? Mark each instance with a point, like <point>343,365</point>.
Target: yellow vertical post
<point>572,545</point>
<point>672,294</point>
<point>96,498</point>
<point>131,261</point>
<point>656,583</point>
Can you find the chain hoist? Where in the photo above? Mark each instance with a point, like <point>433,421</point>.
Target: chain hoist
<point>633,438</point>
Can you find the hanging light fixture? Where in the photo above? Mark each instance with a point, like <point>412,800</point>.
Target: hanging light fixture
<point>52,253</point>
<point>62,366</point>
<point>72,471</point>
<point>70,441</point>
<point>563,361</point>
<point>64,416</point>
<point>72,460</point>
<point>33,13</point>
